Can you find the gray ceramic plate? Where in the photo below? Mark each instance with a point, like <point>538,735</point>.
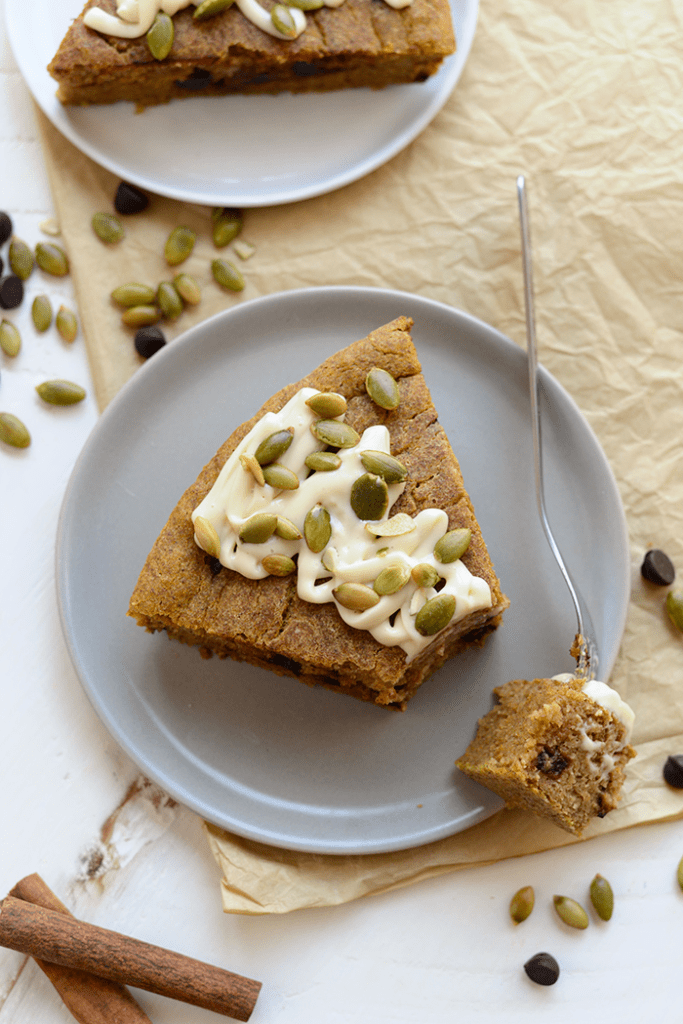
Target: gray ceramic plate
<point>265,756</point>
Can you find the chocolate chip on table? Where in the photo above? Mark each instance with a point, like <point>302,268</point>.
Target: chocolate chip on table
<point>5,227</point>
<point>148,341</point>
<point>11,291</point>
<point>658,568</point>
<point>129,199</point>
<point>673,771</point>
<point>543,969</point>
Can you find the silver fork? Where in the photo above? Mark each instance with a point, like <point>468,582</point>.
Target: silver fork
<point>585,648</point>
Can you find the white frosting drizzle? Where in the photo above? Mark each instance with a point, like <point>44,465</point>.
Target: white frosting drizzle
<point>610,700</point>
<point>352,554</point>
<point>134,18</point>
<point>607,698</point>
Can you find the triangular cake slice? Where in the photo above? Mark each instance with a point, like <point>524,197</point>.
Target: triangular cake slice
<point>412,570</point>
<point>360,43</point>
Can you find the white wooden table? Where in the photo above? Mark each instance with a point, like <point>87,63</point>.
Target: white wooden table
<point>441,951</point>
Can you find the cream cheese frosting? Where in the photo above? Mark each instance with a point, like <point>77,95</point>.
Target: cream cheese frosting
<point>607,698</point>
<point>354,553</point>
<point>134,18</point>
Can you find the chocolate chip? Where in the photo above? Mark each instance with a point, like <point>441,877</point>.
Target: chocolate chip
<point>2,265</point>
<point>304,68</point>
<point>658,568</point>
<point>129,199</point>
<point>11,291</point>
<point>214,565</point>
<point>673,771</point>
<point>199,79</point>
<point>5,227</point>
<point>149,340</point>
<point>551,762</point>
<point>543,969</point>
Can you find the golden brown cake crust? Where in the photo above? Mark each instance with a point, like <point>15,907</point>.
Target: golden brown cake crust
<point>549,748</point>
<point>361,43</point>
<point>264,621</point>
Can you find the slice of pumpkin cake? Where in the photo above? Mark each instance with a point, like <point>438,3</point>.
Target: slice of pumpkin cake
<point>152,51</point>
<point>331,537</point>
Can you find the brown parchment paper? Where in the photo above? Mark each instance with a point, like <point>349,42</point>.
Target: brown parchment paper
<point>585,99</point>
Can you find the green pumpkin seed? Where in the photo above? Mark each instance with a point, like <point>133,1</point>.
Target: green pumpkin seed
<point>10,339</point>
<point>179,245</point>
<point>141,316</point>
<point>13,431</point>
<point>335,433</point>
<point>396,526</point>
<point>452,545</point>
<point>329,560</point>
<point>571,912</point>
<point>306,5</point>
<point>274,446</point>
<point>356,596</point>
<point>227,275</point>
<point>160,36</point>
<point>391,579</point>
<point>283,21</point>
<point>280,477</point>
<point>259,528</point>
<point>323,462</point>
<point>425,575</point>
<point>60,392</point>
<point>522,903</point>
<point>188,289</point>
<point>674,607</point>
<point>369,497</point>
<point>21,258</point>
<point>679,873</point>
<point>317,528</point>
<point>133,294</point>
<point>382,388</point>
<point>41,313</point>
<point>286,529</point>
<point>106,226</point>
<point>52,259</point>
<point>435,614</point>
<point>66,323</point>
<point>226,226</point>
<point>278,565</point>
<point>386,466</point>
<point>327,404</point>
<point>602,897</point>
<point>211,7</point>
<point>208,538</point>
<point>168,300</point>
<point>251,465</point>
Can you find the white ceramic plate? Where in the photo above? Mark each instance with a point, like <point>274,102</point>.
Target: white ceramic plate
<point>265,756</point>
<point>236,150</point>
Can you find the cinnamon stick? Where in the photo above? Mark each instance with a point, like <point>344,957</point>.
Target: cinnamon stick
<point>91,1000</point>
<point>61,939</point>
